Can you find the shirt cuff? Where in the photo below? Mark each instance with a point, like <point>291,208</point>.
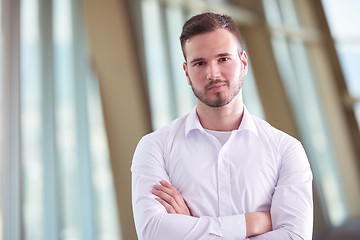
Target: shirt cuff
<point>234,227</point>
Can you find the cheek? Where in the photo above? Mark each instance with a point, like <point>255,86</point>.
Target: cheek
<point>234,71</point>
<point>196,76</point>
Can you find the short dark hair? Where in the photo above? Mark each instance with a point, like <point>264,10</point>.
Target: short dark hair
<point>207,22</point>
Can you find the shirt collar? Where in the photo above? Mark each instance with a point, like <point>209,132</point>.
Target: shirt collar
<point>193,122</point>
<point>247,122</point>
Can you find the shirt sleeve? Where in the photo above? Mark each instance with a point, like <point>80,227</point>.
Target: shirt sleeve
<point>292,203</point>
<point>151,219</point>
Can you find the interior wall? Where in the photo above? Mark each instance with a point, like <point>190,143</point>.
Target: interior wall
<point>124,100</point>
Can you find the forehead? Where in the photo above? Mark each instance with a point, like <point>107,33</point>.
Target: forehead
<point>211,43</point>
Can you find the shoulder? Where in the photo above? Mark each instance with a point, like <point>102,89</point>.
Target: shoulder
<point>267,129</point>
<point>280,140</point>
<point>160,137</point>
<point>150,150</point>
<point>289,150</point>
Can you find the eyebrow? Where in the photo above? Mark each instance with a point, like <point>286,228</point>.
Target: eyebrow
<point>218,55</point>
<point>223,54</point>
<point>197,60</point>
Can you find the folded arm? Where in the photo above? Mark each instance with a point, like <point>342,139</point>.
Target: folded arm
<point>256,222</point>
<point>292,203</point>
<point>152,220</point>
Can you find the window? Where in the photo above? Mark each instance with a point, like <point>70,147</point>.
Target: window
<point>342,18</point>
<point>64,181</point>
<point>297,76</point>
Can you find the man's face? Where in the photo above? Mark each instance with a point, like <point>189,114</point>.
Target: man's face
<point>214,67</point>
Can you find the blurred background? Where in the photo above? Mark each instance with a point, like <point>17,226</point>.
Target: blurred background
<point>82,80</point>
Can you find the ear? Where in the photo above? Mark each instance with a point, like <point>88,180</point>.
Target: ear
<point>243,58</point>
<point>186,72</point>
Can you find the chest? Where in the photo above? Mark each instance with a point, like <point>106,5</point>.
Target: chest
<point>240,175</point>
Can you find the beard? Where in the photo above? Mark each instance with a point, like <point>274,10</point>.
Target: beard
<point>220,98</point>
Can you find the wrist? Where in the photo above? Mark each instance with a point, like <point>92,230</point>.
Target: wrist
<point>250,226</point>
<point>257,223</point>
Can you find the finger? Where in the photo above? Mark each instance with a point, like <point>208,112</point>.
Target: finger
<point>167,198</point>
<point>166,187</point>
<point>166,184</point>
<point>162,192</point>
<point>170,190</point>
<point>167,206</point>
<point>173,197</point>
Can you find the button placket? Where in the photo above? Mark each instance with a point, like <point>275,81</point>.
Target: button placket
<point>224,188</point>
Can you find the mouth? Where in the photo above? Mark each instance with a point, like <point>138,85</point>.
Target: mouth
<point>216,87</point>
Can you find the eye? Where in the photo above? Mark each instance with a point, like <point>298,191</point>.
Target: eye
<point>224,59</point>
<point>199,63</point>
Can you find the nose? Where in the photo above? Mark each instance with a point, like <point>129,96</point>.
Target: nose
<point>213,71</point>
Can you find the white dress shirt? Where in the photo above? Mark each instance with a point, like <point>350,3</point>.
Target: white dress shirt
<point>259,168</point>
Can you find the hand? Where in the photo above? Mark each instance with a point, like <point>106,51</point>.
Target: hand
<point>170,198</point>
<point>257,223</point>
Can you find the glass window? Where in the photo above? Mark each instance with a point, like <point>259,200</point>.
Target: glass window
<point>343,17</point>
<point>67,186</point>
<point>67,149</point>
<point>299,83</point>
<point>184,97</point>
<point>250,93</point>
<point>31,121</point>
<point>157,62</point>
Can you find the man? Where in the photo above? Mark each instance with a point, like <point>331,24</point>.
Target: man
<point>219,172</point>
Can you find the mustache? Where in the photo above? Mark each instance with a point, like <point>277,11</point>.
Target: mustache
<point>217,81</point>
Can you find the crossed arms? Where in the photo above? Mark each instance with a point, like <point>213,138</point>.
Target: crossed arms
<point>256,222</point>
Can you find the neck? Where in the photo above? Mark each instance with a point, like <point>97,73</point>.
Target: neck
<point>226,118</point>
